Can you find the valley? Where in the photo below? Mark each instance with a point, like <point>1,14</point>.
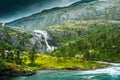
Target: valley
<point>76,38</point>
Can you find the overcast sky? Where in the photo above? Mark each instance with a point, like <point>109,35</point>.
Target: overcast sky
<point>14,9</point>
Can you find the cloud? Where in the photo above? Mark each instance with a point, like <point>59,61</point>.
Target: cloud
<point>102,0</point>
<point>14,9</point>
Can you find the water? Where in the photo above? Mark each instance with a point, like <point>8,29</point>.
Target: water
<point>110,73</point>
<point>44,36</point>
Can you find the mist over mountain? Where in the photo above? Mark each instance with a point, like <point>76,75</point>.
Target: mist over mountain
<point>82,10</point>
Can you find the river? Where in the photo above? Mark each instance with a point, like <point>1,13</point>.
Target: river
<point>109,73</point>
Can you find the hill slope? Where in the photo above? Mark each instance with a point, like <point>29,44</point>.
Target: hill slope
<point>95,40</point>
<point>82,10</point>
<point>23,40</point>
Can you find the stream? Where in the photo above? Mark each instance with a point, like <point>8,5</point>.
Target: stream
<point>109,73</point>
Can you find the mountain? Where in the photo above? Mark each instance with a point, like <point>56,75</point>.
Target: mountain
<point>84,32</point>
<point>22,40</point>
<point>88,40</point>
<point>82,10</point>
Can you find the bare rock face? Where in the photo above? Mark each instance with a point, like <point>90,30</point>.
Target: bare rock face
<point>13,38</point>
<point>82,10</point>
<point>42,41</point>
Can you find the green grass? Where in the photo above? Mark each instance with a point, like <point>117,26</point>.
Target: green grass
<point>43,61</point>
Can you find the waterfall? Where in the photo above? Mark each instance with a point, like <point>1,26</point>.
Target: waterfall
<point>43,37</point>
<point>3,24</point>
<point>48,46</point>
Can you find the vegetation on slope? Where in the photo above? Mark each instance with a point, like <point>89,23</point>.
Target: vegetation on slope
<point>81,42</point>
<point>13,51</point>
<point>13,39</point>
<point>96,41</point>
<point>17,61</point>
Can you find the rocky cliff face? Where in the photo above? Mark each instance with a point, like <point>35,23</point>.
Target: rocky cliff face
<point>82,10</point>
<point>14,38</point>
<point>42,41</point>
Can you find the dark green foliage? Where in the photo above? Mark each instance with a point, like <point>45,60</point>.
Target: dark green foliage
<point>100,42</point>
<point>3,64</point>
<point>32,57</point>
<point>13,43</point>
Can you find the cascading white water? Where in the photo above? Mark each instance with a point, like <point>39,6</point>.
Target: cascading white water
<point>48,46</point>
<point>44,36</point>
<point>3,24</point>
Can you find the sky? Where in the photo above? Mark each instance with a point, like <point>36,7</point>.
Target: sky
<point>14,9</point>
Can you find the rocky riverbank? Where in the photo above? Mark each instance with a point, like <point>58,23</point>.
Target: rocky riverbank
<point>15,70</point>
<point>12,72</point>
<point>20,71</point>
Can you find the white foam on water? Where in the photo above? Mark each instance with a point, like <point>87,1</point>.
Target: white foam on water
<point>113,70</point>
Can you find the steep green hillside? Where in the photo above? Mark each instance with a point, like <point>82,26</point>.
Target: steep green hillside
<point>17,58</point>
<point>11,38</point>
<point>95,40</point>
<point>82,10</point>
<point>14,45</point>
